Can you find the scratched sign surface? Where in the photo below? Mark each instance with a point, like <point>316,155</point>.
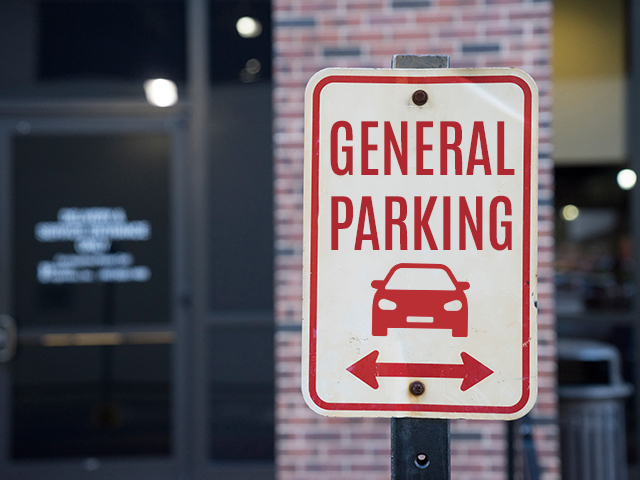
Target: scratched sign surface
<point>420,243</point>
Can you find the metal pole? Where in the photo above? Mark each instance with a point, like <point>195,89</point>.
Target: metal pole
<point>633,154</point>
<point>420,447</point>
<point>196,434</point>
<point>511,450</point>
<point>529,450</point>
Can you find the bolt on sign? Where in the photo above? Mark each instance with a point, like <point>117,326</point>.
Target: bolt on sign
<point>420,243</point>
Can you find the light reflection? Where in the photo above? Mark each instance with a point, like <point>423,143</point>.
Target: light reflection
<point>626,179</point>
<point>248,27</point>
<point>570,212</point>
<point>161,92</point>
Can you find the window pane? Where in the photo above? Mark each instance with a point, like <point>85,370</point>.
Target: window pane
<point>133,40</point>
<point>594,255</point>
<point>241,199</point>
<point>234,57</point>
<point>420,279</point>
<point>91,401</point>
<point>241,393</point>
<point>91,242</point>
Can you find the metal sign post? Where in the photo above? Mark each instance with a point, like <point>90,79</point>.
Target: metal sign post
<point>420,447</point>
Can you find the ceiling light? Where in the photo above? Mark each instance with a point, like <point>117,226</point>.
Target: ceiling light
<point>161,92</point>
<point>570,212</point>
<point>253,66</point>
<point>248,27</point>
<point>626,179</point>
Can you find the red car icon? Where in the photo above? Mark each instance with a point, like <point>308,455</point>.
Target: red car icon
<point>418,295</point>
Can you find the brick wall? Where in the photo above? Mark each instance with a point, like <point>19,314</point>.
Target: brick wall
<point>313,34</point>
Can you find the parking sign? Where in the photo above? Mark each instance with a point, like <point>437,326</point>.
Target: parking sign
<point>420,243</point>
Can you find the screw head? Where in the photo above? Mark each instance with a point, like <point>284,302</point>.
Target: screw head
<point>420,97</point>
<point>417,388</point>
<point>422,460</point>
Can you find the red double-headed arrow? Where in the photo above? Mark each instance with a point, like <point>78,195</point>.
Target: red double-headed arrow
<point>471,371</point>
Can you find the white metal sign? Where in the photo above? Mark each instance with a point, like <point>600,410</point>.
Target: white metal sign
<point>420,243</point>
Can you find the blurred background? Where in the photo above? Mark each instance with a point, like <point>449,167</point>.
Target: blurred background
<point>150,228</point>
<point>123,367</point>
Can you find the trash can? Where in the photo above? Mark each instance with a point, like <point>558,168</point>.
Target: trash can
<point>592,420</point>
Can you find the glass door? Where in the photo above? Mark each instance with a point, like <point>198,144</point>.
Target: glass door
<point>89,325</point>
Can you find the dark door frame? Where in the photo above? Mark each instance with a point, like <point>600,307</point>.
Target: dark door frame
<point>106,118</point>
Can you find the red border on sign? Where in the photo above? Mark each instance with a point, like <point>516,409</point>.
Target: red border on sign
<point>526,257</point>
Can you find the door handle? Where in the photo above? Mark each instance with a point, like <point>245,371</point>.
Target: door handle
<point>8,338</point>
